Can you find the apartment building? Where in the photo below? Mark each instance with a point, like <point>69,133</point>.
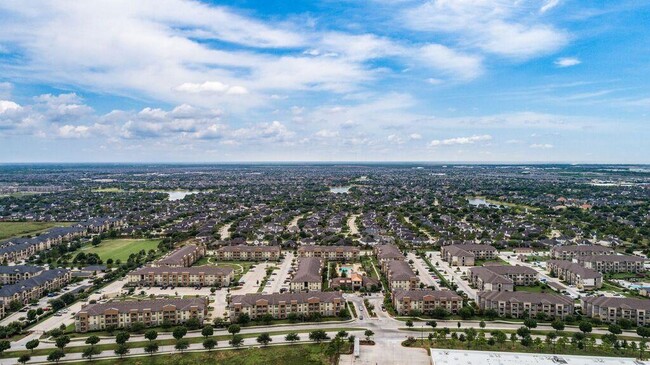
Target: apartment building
<point>612,309</point>
<point>517,304</point>
<point>355,281</point>
<point>35,287</point>
<point>571,252</point>
<point>122,314</point>
<point>388,253</point>
<point>325,304</point>
<point>182,276</point>
<point>613,263</point>
<point>425,301</point>
<point>332,253</point>
<point>14,274</point>
<point>182,257</point>
<point>249,253</point>
<point>400,275</point>
<point>467,254</point>
<point>308,275</point>
<point>575,274</point>
<point>501,277</point>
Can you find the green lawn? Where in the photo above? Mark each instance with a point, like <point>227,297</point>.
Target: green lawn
<point>310,354</point>
<point>13,229</point>
<point>539,288</point>
<point>121,248</point>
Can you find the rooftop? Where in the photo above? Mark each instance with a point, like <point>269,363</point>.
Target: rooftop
<point>466,357</point>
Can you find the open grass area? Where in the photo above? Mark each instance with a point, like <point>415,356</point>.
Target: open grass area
<point>539,288</point>
<point>309,354</point>
<point>13,229</point>
<point>120,249</point>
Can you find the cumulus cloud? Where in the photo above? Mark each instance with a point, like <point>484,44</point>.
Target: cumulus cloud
<point>415,136</point>
<point>567,62</point>
<point>451,62</point>
<point>460,140</point>
<point>211,87</point>
<point>8,106</point>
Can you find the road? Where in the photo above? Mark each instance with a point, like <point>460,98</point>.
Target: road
<point>352,224</point>
<point>282,274</point>
<point>423,271</point>
<point>451,274</point>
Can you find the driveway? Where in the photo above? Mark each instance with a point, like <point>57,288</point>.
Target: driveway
<point>423,271</point>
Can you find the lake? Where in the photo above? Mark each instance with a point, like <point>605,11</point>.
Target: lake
<point>480,202</point>
<point>178,195</point>
<point>340,189</point>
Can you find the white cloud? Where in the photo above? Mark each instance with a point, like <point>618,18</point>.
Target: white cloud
<point>550,4</point>
<point>450,62</point>
<point>544,146</point>
<point>567,62</point>
<point>326,133</point>
<point>7,105</point>
<point>415,136</point>
<point>460,140</point>
<point>72,131</point>
<point>211,87</point>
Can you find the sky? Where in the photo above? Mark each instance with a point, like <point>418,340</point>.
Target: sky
<point>329,80</point>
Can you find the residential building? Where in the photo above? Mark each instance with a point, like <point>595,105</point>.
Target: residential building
<point>612,309</point>
<point>425,301</point>
<point>155,312</point>
<point>182,276</point>
<point>249,253</point>
<point>308,275</point>
<point>388,253</point>
<point>467,254</point>
<point>570,252</point>
<point>354,281</point>
<point>325,304</point>
<point>613,263</point>
<point>400,275</point>
<point>14,274</point>
<point>518,304</point>
<point>502,277</point>
<point>334,253</point>
<point>182,257</point>
<point>35,287</point>
<point>575,274</point>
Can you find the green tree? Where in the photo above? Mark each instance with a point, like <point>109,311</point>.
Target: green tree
<point>24,358</point>
<point>264,339</point>
<point>523,331</point>
<point>182,345</point>
<point>4,346</point>
<point>179,332</point>
<point>530,323</point>
<point>151,335</point>
<point>236,340</point>
<point>409,323</point>
<point>342,334</point>
<point>466,313</point>
<point>558,325</point>
<point>207,331</point>
<point>482,324</point>
<point>151,348</point>
<point>55,356</point>
<point>62,341</point>
<point>209,343</point>
<point>317,336</point>
<point>121,350</point>
<point>585,326</point>
<point>292,337</point>
<point>368,334</point>
<point>122,337</point>
<point>92,340</point>
<point>615,329</point>
<point>234,329</point>
<point>32,344</point>
<point>89,352</point>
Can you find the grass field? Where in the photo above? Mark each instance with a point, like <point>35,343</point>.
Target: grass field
<point>121,248</point>
<point>13,229</point>
<point>311,354</point>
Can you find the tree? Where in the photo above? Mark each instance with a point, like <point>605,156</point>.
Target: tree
<point>615,329</point>
<point>292,337</point>
<point>32,344</point>
<point>342,334</point>
<point>368,334</point>
<point>207,331</point>
<point>137,327</point>
<point>643,331</point>
<point>182,345</point>
<point>466,312</point>
<point>122,337</point>
<point>558,325</point>
<point>264,339</point>
<point>530,323</point>
<point>55,356</point>
<point>513,338</point>
<point>470,335</point>
<point>89,352</point>
<point>234,329</point>
<point>151,335</point>
<point>24,358</point>
<point>92,340</point>
<point>482,324</point>
<point>333,350</point>
<point>523,331</point>
<point>121,350</point>
<point>179,332</point>
<point>209,344</point>
<point>243,318</point>
<point>499,337</point>
<point>193,323</point>
<point>585,326</point>
<point>62,341</point>
<point>236,340</point>
<point>4,346</point>
<point>151,348</point>
<point>317,336</point>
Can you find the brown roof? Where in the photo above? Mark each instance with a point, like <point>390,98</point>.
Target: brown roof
<point>524,297</point>
<point>246,248</point>
<point>612,258</point>
<point>624,303</point>
<point>308,270</point>
<point>277,298</point>
<point>389,252</point>
<point>194,270</point>
<point>575,268</point>
<point>154,305</point>
<point>400,270</point>
<point>315,248</point>
<point>489,276</point>
<point>582,248</point>
<point>177,256</point>
<point>400,294</point>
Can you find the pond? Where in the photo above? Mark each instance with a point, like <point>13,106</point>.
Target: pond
<point>178,195</point>
<point>340,189</point>
<point>480,202</point>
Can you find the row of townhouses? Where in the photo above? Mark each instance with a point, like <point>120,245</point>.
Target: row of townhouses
<point>570,252</point>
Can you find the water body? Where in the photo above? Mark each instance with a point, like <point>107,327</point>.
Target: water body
<point>178,195</point>
<point>480,202</point>
<point>340,189</point>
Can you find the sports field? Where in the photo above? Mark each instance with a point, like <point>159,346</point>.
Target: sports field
<point>120,249</point>
<point>13,229</point>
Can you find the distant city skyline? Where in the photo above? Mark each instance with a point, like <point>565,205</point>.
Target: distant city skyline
<point>465,81</point>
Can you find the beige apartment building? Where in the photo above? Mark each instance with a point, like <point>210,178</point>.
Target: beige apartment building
<point>182,276</point>
<point>575,274</point>
<point>332,253</point>
<point>400,275</point>
<point>425,301</point>
<point>184,256</point>
<point>613,263</point>
<point>516,304</point>
<point>249,253</point>
<point>308,275</point>
<point>325,304</point>
<point>122,314</point>
<point>571,252</point>
<point>611,309</point>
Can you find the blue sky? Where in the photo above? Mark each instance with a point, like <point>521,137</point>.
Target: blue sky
<point>375,80</point>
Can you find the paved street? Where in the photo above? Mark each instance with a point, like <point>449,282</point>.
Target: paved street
<point>451,274</point>
<point>282,274</point>
<point>423,270</point>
